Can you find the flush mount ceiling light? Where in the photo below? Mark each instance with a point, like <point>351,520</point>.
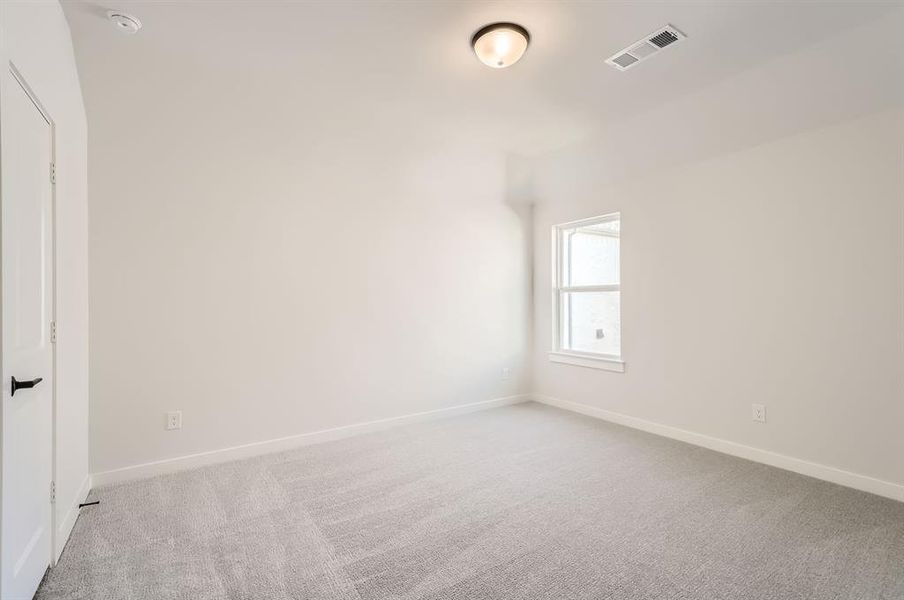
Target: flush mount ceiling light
<point>123,22</point>
<point>500,45</point>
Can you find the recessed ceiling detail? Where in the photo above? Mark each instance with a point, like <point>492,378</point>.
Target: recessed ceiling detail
<point>645,48</point>
<point>124,22</point>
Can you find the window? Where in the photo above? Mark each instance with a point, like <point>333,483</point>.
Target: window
<point>587,293</point>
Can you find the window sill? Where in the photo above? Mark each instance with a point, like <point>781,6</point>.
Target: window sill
<point>584,360</point>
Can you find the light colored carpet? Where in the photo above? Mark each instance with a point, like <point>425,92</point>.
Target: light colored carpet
<point>520,502</point>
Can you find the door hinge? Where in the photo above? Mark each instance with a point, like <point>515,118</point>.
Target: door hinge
<point>52,172</point>
<point>52,492</point>
<point>53,332</point>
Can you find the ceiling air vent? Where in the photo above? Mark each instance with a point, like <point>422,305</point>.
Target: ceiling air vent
<point>645,48</point>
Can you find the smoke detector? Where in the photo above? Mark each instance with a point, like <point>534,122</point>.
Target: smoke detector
<point>645,48</point>
<point>124,22</point>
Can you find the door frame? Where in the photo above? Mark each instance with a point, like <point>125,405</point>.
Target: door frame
<point>19,79</point>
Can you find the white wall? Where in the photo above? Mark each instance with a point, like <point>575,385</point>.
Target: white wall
<point>35,37</point>
<point>268,285</point>
<point>282,244</point>
<point>762,260</point>
<point>287,234</point>
<point>768,275</point>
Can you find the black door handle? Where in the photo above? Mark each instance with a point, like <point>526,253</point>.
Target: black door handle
<point>24,385</point>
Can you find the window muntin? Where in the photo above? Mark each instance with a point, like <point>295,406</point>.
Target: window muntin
<point>587,287</point>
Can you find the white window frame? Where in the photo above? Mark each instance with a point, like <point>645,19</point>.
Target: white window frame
<point>559,354</point>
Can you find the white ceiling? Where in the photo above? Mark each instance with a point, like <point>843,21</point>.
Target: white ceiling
<point>322,69</point>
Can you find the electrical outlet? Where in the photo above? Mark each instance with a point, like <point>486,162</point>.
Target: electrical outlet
<point>174,420</point>
<point>506,373</point>
<point>759,413</point>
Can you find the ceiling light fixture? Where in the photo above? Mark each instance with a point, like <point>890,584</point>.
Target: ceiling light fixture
<point>124,23</point>
<point>500,45</point>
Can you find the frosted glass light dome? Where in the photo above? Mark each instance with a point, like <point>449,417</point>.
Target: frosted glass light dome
<point>500,45</point>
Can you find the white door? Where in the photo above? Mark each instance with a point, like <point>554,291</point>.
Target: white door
<point>27,288</point>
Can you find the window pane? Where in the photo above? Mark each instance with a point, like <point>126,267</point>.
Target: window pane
<point>592,254</point>
<point>591,323</point>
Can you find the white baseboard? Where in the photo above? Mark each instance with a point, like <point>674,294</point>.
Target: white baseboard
<point>65,526</point>
<point>191,461</point>
<point>846,478</point>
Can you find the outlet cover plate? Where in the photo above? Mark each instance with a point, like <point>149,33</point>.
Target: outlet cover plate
<point>174,420</point>
<point>758,413</point>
